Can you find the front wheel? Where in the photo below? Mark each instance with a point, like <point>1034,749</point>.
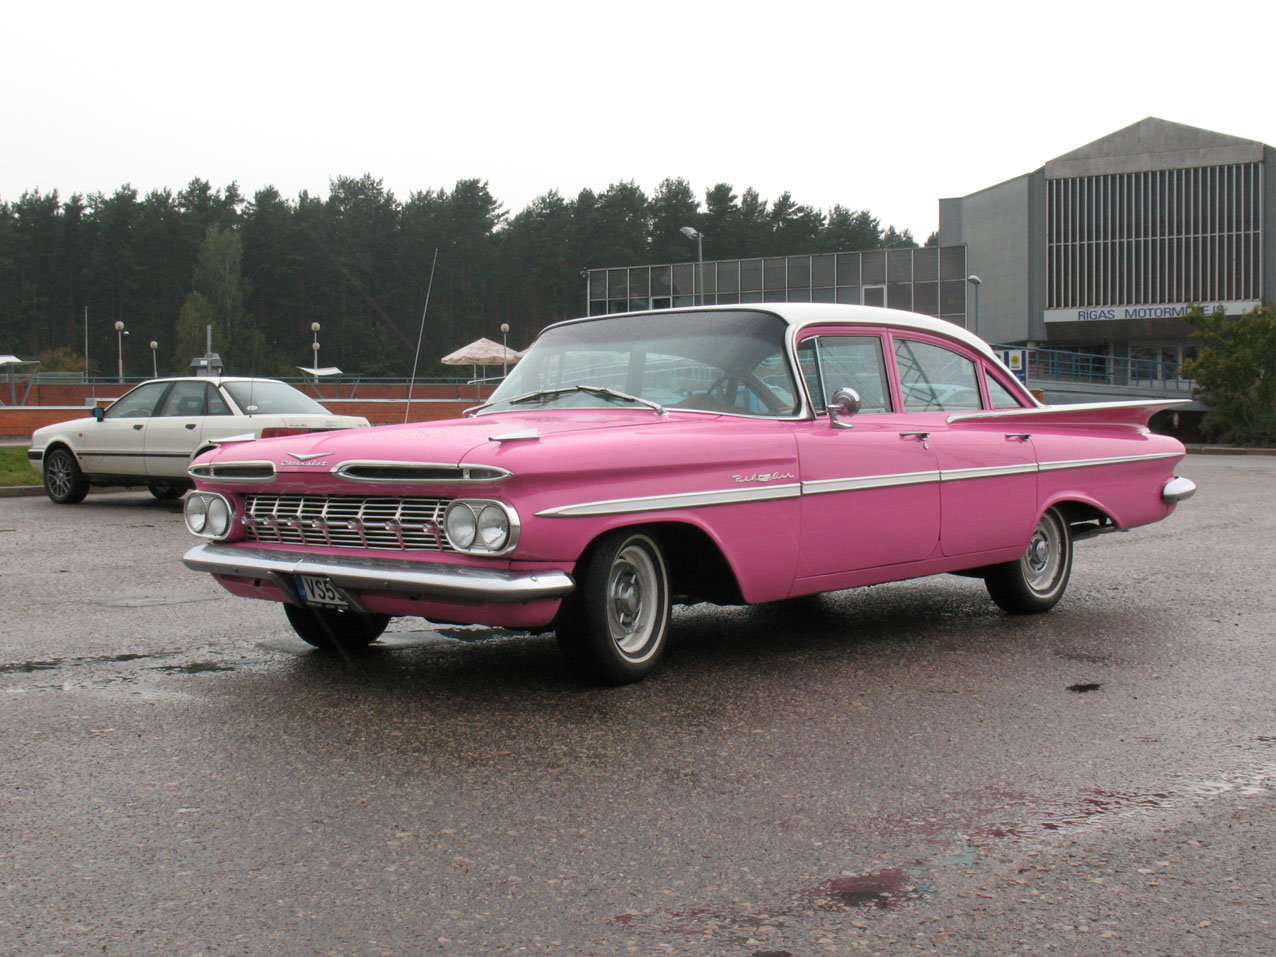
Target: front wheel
<point>614,627</point>
<point>1035,582</point>
<point>64,483</point>
<point>335,630</point>
<point>165,491</point>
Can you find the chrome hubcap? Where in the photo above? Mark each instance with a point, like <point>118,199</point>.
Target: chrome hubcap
<point>632,594</point>
<point>1043,561</point>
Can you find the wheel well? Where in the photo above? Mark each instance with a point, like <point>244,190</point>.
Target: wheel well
<point>697,569</point>
<point>1085,519</point>
<point>53,447</point>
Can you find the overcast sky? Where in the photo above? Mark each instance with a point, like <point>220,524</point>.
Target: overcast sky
<point>884,106</point>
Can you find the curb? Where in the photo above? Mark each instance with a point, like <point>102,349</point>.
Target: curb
<point>1227,450</point>
<point>23,491</point>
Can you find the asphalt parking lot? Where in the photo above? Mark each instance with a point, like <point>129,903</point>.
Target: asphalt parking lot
<point>902,769</point>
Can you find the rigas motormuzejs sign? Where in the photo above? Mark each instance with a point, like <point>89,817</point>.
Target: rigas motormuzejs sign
<point>1163,310</point>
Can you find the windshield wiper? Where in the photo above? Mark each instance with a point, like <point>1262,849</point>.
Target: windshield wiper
<point>601,391</point>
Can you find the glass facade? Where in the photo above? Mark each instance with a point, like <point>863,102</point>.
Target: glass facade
<point>929,280</point>
<point>1171,235</point>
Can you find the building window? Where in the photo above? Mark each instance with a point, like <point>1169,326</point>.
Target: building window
<point>1155,236</point>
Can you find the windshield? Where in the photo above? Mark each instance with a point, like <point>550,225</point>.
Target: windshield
<point>711,361</point>
<point>271,397</point>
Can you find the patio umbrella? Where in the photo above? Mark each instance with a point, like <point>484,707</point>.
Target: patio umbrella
<point>482,352</point>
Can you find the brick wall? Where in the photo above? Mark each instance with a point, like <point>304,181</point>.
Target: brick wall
<point>21,421</point>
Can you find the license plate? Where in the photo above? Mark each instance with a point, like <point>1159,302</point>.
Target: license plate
<point>317,590</point>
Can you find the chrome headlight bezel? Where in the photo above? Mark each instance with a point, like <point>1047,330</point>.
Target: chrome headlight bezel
<point>465,522</point>
<point>209,515</point>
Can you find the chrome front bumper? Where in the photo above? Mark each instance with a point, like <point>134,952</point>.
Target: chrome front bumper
<point>359,574</point>
<point>1178,489</point>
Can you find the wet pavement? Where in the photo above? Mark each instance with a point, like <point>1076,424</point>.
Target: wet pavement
<point>901,769</point>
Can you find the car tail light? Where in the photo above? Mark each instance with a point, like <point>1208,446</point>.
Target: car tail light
<point>276,432</point>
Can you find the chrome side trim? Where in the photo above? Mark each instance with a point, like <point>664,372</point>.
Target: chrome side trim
<point>654,503</point>
<point>825,486</point>
<point>821,486</point>
<point>1114,460</point>
<point>254,471</point>
<point>991,471</point>
<point>1178,489</point>
<point>417,473</point>
<point>425,579</point>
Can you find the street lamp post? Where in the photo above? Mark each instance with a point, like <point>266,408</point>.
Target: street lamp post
<point>976,282</point>
<point>119,347</point>
<point>314,345</point>
<point>154,361</point>
<point>692,233</point>
<point>505,351</point>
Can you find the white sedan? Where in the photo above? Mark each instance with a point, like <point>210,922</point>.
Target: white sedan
<point>150,434</point>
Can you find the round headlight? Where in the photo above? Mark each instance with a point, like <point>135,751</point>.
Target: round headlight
<point>460,525</point>
<point>493,528</point>
<point>196,514</point>
<point>218,517</point>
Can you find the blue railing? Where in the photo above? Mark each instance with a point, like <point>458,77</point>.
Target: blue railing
<point>1061,365</point>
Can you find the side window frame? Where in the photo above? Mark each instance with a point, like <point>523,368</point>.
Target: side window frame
<point>817,385</point>
<point>956,348</point>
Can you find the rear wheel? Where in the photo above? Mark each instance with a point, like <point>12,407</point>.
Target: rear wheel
<point>1037,581</point>
<point>64,483</point>
<point>335,630</point>
<point>614,627</point>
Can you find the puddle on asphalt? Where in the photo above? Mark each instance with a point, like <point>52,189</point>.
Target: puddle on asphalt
<point>194,668</point>
<point>27,667</point>
<point>882,890</point>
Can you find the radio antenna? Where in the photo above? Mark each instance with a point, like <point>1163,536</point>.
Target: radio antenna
<point>417,358</point>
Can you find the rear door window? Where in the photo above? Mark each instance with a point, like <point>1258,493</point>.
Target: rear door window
<point>935,379</point>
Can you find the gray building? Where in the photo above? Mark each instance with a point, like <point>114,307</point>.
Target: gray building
<point>1103,249</point>
<point>1092,259</point>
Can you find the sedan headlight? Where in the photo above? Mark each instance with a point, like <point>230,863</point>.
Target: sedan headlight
<point>480,527</point>
<point>209,515</point>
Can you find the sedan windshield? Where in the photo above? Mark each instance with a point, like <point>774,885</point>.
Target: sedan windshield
<point>710,361</point>
<point>271,397</point>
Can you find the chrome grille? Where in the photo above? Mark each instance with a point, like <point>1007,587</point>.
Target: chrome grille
<point>397,523</point>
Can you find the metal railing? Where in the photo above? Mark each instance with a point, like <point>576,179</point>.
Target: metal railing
<point>1062,365</point>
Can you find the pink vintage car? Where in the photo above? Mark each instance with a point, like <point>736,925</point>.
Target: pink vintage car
<point>723,454</point>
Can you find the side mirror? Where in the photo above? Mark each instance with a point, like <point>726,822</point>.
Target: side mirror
<point>844,402</point>
<point>99,413</point>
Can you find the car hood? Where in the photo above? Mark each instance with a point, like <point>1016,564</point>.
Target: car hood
<point>579,443</point>
<point>447,442</point>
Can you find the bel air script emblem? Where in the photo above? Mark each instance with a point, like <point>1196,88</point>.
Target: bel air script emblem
<point>304,459</point>
<point>763,477</point>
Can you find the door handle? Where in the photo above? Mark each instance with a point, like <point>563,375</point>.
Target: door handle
<point>190,425</point>
<point>138,427</point>
<point>924,436</point>
<point>1021,436</point>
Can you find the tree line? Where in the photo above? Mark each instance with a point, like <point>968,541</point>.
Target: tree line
<point>358,262</point>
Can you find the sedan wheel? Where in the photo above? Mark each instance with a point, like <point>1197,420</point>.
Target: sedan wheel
<point>613,628</point>
<point>335,630</point>
<point>166,492</point>
<point>64,483</point>
<point>1037,581</point>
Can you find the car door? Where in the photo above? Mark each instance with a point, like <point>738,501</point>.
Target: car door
<point>870,490</point>
<point>988,471</point>
<point>116,445</point>
<point>177,428</point>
